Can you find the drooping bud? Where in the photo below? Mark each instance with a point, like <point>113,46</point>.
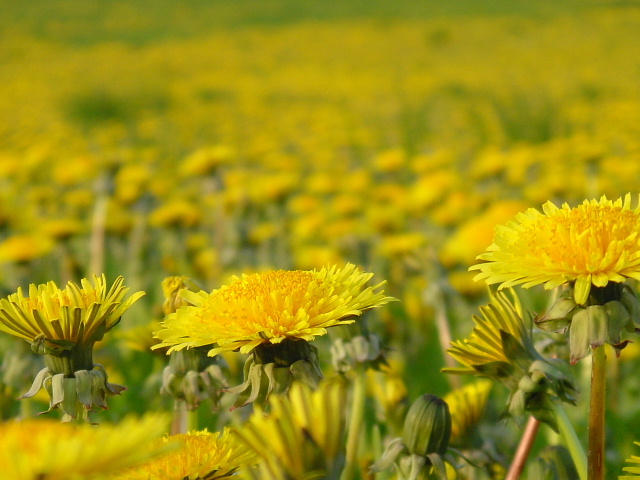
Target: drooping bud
<point>427,427</point>
<point>558,317</point>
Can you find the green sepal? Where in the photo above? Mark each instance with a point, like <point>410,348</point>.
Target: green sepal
<point>495,370</point>
<point>558,317</point>
<point>439,467</point>
<point>618,319</point>
<point>579,336</point>
<point>629,299</point>
<point>44,346</point>
<point>514,351</point>
<point>389,456</point>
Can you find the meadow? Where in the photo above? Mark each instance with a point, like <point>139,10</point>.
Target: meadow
<point>207,139</point>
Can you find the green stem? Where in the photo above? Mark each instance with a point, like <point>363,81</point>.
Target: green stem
<point>571,439</point>
<point>179,422</point>
<point>355,427</point>
<point>596,414</point>
<point>192,420</point>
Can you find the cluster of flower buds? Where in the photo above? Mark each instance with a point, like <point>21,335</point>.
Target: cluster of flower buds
<point>272,368</point>
<point>607,313</point>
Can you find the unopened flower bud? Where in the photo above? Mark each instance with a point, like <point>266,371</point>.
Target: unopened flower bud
<point>558,317</point>
<point>427,427</point>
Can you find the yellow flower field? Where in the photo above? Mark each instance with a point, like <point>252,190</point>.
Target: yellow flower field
<point>265,141</point>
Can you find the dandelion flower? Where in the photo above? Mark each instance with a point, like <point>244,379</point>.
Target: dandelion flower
<point>302,436</point>
<point>63,325</point>
<point>46,449</point>
<point>593,244</point>
<point>267,308</point>
<point>75,314</point>
<point>202,455</point>
<point>272,315</point>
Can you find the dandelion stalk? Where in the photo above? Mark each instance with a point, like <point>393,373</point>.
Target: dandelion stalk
<point>571,439</point>
<point>596,414</point>
<point>524,448</point>
<point>355,427</point>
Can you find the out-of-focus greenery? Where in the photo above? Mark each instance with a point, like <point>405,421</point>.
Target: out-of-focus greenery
<point>204,138</point>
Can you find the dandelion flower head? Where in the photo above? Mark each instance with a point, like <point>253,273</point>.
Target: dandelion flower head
<point>202,455</point>
<point>593,244</point>
<point>52,450</point>
<point>76,313</point>
<point>270,307</point>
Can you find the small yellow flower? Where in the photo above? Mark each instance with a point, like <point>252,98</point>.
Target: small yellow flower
<point>270,307</point>
<point>593,244</point>
<point>202,455</point>
<point>47,449</point>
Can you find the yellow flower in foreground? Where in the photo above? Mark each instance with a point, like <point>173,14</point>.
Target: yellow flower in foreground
<point>50,450</point>
<point>593,244</point>
<point>301,437</point>
<point>202,455</point>
<point>63,325</point>
<point>267,308</point>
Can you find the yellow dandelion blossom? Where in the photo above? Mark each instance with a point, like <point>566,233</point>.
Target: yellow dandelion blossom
<point>202,455</point>
<point>78,313</point>
<point>270,307</point>
<point>48,449</point>
<point>593,244</point>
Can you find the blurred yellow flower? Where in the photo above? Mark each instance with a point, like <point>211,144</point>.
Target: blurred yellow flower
<point>201,455</point>
<point>467,406</point>
<point>25,247</point>
<point>302,435</point>
<point>47,449</point>
<point>472,237</point>
<point>271,307</point>
<point>593,244</point>
<point>175,212</point>
<point>206,160</point>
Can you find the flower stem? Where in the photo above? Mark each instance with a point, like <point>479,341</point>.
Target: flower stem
<point>526,442</point>
<point>355,427</point>
<point>596,414</point>
<point>192,420</point>
<point>571,439</point>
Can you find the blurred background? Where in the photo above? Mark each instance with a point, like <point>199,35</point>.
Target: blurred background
<point>213,137</point>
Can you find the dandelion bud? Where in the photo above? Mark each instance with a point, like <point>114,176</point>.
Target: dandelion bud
<point>558,317</point>
<point>427,427</point>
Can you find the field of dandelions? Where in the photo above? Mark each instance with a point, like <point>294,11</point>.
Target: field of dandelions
<point>177,144</point>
